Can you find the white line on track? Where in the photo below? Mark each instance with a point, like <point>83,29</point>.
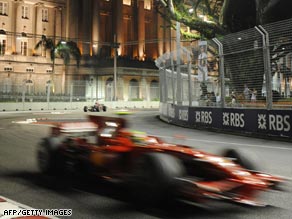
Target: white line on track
<point>232,143</point>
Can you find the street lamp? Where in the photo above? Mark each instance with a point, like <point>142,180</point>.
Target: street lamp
<point>115,46</point>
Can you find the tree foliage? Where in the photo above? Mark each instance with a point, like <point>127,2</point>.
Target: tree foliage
<point>211,18</point>
<point>202,16</point>
<point>62,49</point>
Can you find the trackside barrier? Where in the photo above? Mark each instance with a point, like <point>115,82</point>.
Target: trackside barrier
<point>76,105</point>
<point>260,122</point>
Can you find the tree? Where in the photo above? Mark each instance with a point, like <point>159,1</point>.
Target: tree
<point>62,49</point>
<point>219,17</point>
<point>241,15</point>
<point>200,15</point>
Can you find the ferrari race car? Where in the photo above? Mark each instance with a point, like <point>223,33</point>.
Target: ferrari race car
<point>95,108</point>
<point>154,169</point>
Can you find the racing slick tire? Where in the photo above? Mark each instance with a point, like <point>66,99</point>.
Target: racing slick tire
<point>242,158</point>
<point>155,178</point>
<point>85,109</point>
<point>47,155</point>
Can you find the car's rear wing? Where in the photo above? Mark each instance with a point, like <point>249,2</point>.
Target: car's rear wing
<point>72,127</point>
<point>106,121</point>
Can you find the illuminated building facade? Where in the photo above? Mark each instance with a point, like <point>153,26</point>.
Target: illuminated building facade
<point>132,27</point>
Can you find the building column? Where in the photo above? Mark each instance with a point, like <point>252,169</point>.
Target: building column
<point>67,19</point>
<point>141,29</point>
<point>38,28</point>
<point>34,25</point>
<point>86,24</point>
<point>59,22</point>
<point>13,24</point>
<point>118,23</point>
<point>95,28</point>
<point>143,89</point>
<point>160,35</point>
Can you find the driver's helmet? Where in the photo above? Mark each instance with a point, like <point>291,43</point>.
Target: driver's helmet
<point>138,137</point>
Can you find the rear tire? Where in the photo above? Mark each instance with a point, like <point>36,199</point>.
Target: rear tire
<point>85,109</point>
<point>48,157</point>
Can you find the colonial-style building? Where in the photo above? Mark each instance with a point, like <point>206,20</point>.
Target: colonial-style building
<point>118,40</point>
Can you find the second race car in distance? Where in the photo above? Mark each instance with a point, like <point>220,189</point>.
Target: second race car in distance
<point>97,107</point>
<point>105,147</point>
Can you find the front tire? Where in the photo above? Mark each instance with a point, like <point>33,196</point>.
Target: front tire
<point>240,157</point>
<point>155,177</point>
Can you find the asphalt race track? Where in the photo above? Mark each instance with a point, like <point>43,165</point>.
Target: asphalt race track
<point>21,181</point>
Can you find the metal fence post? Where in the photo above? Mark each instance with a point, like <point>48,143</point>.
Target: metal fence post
<point>165,93</point>
<point>172,78</point>
<point>190,79</point>
<point>222,73</point>
<point>189,67</point>
<point>23,95</point>
<point>71,94</point>
<point>48,94</point>
<point>179,79</point>
<point>267,65</point>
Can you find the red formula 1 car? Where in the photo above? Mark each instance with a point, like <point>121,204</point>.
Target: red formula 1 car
<point>106,148</point>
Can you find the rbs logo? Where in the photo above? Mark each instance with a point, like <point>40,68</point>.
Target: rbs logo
<point>183,115</point>
<point>233,119</point>
<point>274,122</point>
<point>171,112</point>
<point>279,122</point>
<point>204,117</point>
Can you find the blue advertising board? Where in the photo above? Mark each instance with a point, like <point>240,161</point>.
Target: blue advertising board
<point>256,121</point>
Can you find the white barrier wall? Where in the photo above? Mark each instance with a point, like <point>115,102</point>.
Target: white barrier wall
<point>36,106</point>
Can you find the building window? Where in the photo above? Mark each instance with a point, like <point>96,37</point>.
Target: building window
<point>29,69</point>
<point>2,46</point>
<point>23,48</point>
<point>127,2</point>
<point>154,90</point>
<point>24,12</point>
<point>134,89</point>
<point>4,8</point>
<point>29,86</point>
<point>45,15</point>
<point>109,89</point>
<point>7,85</point>
<point>49,70</point>
<point>147,4</point>
<point>8,68</point>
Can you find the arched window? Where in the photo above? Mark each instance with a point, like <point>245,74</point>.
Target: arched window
<point>109,89</point>
<point>3,41</point>
<point>154,90</point>
<point>133,89</point>
<point>7,85</point>
<point>29,86</point>
<point>48,86</point>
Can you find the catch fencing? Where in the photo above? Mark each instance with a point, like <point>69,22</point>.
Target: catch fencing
<point>251,68</point>
<point>240,82</point>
